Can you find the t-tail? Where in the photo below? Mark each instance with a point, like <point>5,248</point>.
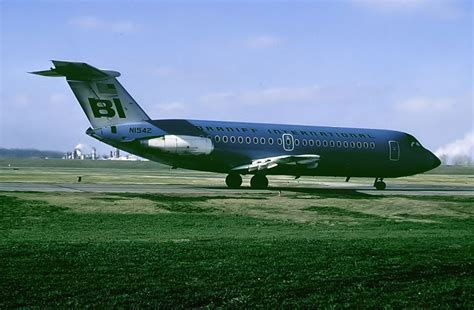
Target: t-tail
<point>104,100</point>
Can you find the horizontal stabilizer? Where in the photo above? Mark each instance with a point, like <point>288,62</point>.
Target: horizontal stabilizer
<point>78,71</point>
<point>47,73</point>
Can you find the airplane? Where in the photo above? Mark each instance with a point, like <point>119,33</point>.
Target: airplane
<point>238,148</point>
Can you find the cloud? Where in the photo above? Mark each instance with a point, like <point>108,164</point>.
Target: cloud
<point>58,98</point>
<point>218,98</point>
<point>162,71</point>
<point>267,96</point>
<point>440,9</point>
<point>460,151</point>
<point>85,148</point>
<point>168,109</point>
<point>424,104</point>
<point>263,41</point>
<point>95,23</point>
<point>171,106</point>
<point>22,100</point>
<point>392,5</point>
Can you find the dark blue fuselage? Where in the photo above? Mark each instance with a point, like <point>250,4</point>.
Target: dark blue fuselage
<point>349,152</point>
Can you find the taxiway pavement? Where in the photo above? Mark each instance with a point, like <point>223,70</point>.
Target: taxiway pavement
<point>321,187</point>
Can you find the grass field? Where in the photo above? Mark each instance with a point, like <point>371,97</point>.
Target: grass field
<point>320,249</point>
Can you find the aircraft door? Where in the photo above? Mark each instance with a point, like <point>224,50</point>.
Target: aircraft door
<point>394,150</point>
<point>288,142</point>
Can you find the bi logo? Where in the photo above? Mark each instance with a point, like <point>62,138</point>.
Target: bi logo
<point>106,108</point>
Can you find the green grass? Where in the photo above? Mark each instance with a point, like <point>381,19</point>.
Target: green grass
<point>304,250</point>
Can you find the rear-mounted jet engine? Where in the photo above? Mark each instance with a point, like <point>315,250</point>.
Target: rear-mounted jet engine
<point>181,145</point>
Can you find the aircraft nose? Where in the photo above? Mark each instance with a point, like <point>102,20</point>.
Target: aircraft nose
<point>433,160</point>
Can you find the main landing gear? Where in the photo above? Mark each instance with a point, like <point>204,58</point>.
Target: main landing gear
<point>258,181</point>
<point>233,180</point>
<point>379,184</point>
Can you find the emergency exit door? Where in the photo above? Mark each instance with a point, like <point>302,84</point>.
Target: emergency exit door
<point>288,142</point>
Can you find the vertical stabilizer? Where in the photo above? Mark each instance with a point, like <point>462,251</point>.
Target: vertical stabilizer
<point>104,100</point>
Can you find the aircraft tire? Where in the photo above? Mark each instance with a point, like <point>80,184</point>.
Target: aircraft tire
<point>259,181</point>
<point>233,180</point>
<point>380,185</point>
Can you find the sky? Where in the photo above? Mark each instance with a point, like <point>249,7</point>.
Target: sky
<point>395,64</point>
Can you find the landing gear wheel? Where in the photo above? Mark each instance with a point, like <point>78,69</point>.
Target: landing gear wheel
<point>233,180</point>
<point>380,184</point>
<point>259,181</point>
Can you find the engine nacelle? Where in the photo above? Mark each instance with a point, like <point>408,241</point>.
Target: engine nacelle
<point>181,145</point>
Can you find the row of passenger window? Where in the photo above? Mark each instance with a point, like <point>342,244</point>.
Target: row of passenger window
<point>304,142</point>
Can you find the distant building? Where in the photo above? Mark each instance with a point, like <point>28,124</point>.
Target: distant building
<point>84,152</point>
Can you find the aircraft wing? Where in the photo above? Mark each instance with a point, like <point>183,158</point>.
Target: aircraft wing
<point>308,160</point>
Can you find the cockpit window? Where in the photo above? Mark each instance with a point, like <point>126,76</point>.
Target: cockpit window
<point>413,142</point>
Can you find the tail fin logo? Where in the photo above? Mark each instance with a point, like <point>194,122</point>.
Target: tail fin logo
<point>106,108</point>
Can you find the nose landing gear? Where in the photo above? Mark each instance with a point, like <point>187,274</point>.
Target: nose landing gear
<point>379,184</point>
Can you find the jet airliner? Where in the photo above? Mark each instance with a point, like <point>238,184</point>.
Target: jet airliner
<point>237,148</point>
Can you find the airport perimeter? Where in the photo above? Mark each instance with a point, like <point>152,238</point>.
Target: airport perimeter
<point>141,234</point>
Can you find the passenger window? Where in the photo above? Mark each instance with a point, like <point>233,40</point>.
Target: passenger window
<point>318,143</point>
<point>331,143</point>
<point>346,144</point>
<point>325,143</point>
<point>353,145</point>
<point>305,142</point>
<point>366,145</point>
<point>279,141</point>
<point>270,140</point>
<point>359,145</point>
<point>339,143</point>
<point>311,143</point>
<point>240,139</point>
<point>232,139</point>
<point>217,139</point>
<point>255,140</point>
<point>262,140</point>
<point>372,145</point>
<point>248,140</point>
<point>297,142</point>
<point>224,139</point>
